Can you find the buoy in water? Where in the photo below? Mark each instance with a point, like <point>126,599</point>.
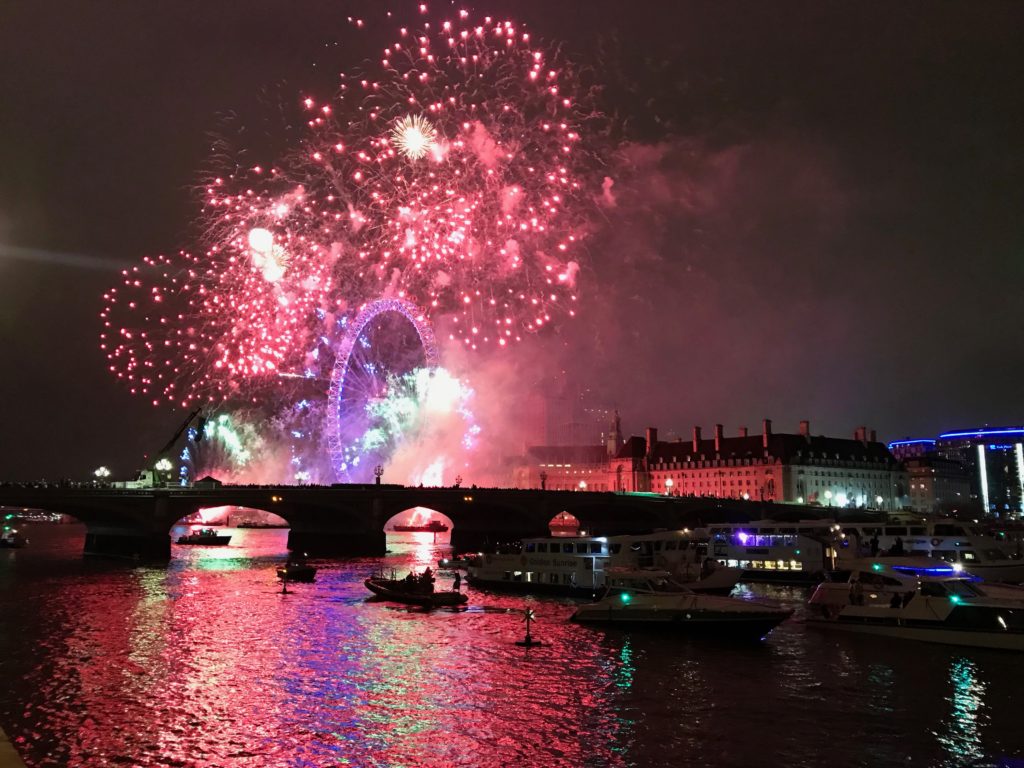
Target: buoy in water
<point>528,641</point>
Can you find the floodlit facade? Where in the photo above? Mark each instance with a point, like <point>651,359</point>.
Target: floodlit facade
<point>770,466</point>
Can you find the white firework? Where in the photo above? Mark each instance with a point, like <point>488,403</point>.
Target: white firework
<point>414,136</point>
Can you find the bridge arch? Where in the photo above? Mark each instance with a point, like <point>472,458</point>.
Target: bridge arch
<point>418,515</point>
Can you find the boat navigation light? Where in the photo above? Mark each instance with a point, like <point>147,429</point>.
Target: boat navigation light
<point>955,599</point>
<point>877,566</point>
<point>957,568</point>
<point>626,597</point>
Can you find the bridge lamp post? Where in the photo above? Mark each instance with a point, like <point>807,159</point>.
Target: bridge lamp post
<point>102,473</point>
<point>828,497</point>
<point>583,485</point>
<point>543,480</point>
<point>669,482</point>
<point>378,471</point>
<point>878,501</point>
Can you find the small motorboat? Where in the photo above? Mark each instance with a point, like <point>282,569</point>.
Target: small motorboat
<point>458,562</point>
<point>297,569</point>
<point>413,590</point>
<point>919,598</point>
<point>11,539</point>
<point>668,605</point>
<point>205,537</point>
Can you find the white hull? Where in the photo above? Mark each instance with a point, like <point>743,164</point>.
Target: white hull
<point>1001,641</point>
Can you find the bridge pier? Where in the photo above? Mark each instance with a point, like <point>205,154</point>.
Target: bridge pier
<point>127,543</point>
<point>344,543</point>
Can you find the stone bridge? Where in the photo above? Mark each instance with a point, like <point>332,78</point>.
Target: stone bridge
<point>350,519</point>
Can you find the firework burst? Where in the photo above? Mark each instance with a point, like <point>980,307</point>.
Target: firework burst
<point>414,137</point>
<point>447,174</point>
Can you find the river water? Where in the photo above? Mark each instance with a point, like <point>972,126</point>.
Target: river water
<point>205,663</point>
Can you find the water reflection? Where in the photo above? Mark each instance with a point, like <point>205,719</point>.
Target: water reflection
<point>961,735</point>
<point>207,663</point>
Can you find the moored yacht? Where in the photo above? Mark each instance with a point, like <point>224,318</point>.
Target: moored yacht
<point>663,603</point>
<point>918,599</point>
<point>964,545</point>
<point>580,565</point>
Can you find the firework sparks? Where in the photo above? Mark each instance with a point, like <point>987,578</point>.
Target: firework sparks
<point>447,174</point>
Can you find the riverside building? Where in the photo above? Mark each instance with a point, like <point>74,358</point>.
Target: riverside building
<point>992,460</point>
<point>771,466</point>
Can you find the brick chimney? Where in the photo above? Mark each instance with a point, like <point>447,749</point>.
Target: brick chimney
<point>805,428</point>
<point>874,436</point>
<point>743,431</point>
<point>696,439</point>
<point>718,438</point>
<point>652,441</point>
<point>766,432</point>
<point>861,433</point>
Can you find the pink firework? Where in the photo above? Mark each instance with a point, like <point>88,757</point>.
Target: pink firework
<point>448,174</point>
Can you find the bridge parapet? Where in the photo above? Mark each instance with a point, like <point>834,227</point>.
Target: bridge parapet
<point>350,519</point>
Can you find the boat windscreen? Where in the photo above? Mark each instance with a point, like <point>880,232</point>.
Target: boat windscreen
<point>963,588</point>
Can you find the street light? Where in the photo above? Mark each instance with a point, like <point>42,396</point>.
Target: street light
<point>828,497</point>
<point>164,465</point>
<point>668,486</point>
<point>878,501</point>
<point>102,473</point>
<point>583,485</point>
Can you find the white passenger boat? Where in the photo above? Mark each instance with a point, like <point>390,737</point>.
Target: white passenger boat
<point>961,544</point>
<point>774,551</point>
<point>579,565</point>
<point>917,599</point>
<point>663,603</point>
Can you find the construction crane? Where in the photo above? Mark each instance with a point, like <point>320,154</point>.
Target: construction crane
<point>150,477</point>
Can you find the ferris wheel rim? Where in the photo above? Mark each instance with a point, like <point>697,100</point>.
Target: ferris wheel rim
<point>367,313</point>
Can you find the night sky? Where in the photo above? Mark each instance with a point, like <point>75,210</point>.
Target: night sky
<point>819,205</point>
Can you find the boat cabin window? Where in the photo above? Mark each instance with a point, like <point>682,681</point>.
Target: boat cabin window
<point>895,531</point>
<point>839,576</point>
<point>944,529</point>
<point>542,546</point>
<point>615,548</point>
<point>531,547</point>
<point>932,589</point>
<point>588,563</point>
<point>657,546</point>
<point>595,547</point>
<point>671,545</point>
<point>918,531</point>
<point>995,554</point>
<point>968,556</point>
<point>581,548</point>
<point>567,548</point>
